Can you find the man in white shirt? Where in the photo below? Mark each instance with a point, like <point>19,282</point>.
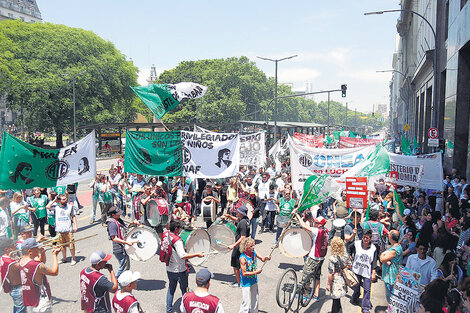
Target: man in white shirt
<point>423,264</point>
<point>176,269</point>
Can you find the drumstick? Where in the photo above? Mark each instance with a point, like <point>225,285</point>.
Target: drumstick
<point>220,243</point>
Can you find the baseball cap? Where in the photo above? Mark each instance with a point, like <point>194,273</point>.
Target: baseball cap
<point>26,229</point>
<point>253,191</point>
<point>203,276</point>
<point>320,220</point>
<point>209,185</point>
<point>30,243</point>
<point>243,210</point>
<point>159,183</point>
<point>128,277</point>
<point>407,188</point>
<point>407,212</point>
<point>99,256</point>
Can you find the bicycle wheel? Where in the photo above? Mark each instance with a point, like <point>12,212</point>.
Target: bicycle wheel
<point>286,289</point>
<point>307,291</point>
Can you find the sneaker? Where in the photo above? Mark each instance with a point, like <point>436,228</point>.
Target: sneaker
<point>92,221</point>
<point>354,301</point>
<point>61,261</point>
<point>235,285</point>
<point>73,262</point>
<point>314,299</point>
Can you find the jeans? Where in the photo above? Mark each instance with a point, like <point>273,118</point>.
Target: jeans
<point>104,211</point>
<point>124,262</point>
<point>17,296</point>
<point>388,291</point>
<point>254,225</point>
<point>278,232</point>
<point>269,220</point>
<point>173,279</point>
<point>365,282</point>
<point>38,223</point>
<point>95,203</point>
<point>336,306</point>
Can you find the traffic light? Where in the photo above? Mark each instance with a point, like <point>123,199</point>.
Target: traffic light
<point>442,144</point>
<point>343,90</point>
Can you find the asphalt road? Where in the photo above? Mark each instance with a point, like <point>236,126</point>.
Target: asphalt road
<point>152,288</point>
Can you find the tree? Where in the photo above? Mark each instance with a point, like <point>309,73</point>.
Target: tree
<point>48,60</point>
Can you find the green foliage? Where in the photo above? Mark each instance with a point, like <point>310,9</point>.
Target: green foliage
<point>46,59</point>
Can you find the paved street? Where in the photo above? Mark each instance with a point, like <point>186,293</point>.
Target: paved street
<point>153,286</point>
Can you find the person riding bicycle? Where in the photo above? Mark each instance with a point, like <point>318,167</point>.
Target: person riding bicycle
<point>314,261</point>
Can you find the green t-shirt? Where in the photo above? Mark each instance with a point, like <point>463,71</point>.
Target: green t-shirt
<point>39,204</point>
<point>286,207</point>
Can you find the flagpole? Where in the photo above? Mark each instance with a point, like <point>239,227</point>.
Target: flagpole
<point>166,128</point>
<point>290,220</point>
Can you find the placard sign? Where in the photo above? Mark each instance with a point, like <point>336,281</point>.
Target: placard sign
<point>253,149</point>
<point>405,294</point>
<point>356,192</point>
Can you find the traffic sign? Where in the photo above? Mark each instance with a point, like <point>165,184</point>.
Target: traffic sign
<point>433,133</point>
<point>433,142</point>
<point>406,127</point>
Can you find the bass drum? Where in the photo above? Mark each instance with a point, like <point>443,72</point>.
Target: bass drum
<point>147,244</point>
<point>157,212</point>
<point>209,211</point>
<point>295,243</point>
<point>196,241</point>
<point>222,234</point>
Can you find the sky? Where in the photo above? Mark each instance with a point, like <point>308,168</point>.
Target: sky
<point>335,43</point>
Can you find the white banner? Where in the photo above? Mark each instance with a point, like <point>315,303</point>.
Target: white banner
<point>306,161</point>
<point>423,171</point>
<point>277,152</point>
<point>210,155</point>
<point>202,130</point>
<point>81,160</point>
<point>253,149</point>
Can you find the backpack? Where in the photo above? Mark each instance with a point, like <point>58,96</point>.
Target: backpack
<point>167,246</point>
<point>323,240</point>
<point>376,238</point>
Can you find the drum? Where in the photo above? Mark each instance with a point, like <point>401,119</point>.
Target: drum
<point>295,243</point>
<point>157,212</point>
<point>209,211</point>
<point>281,221</point>
<point>147,244</point>
<point>196,241</point>
<point>222,234</point>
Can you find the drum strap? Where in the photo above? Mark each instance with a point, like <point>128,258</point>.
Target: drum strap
<point>119,229</point>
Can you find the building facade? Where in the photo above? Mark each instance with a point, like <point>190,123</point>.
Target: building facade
<point>412,85</point>
<point>25,10</point>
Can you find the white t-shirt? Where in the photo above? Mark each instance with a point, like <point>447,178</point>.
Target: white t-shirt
<point>177,264</point>
<point>3,223</point>
<point>363,259</point>
<point>63,218</point>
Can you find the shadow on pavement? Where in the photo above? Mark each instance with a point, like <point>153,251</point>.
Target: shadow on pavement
<point>56,300</point>
<point>151,284</point>
<point>288,265</point>
<point>88,226</point>
<point>229,278</point>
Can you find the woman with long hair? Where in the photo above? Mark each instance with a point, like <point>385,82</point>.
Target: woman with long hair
<point>449,270</point>
<point>338,260</point>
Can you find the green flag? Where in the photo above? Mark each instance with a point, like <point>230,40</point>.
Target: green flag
<point>377,163</point>
<point>405,146</point>
<point>415,146</point>
<point>162,98</point>
<point>153,153</point>
<point>398,202</point>
<point>316,190</point>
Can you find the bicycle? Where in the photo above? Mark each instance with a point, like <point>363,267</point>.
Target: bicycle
<point>288,289</point>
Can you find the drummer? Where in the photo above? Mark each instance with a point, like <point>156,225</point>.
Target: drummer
<point>340,211</point>
<point>243,231</point>
<point>117,231</point>
<point>210,196</point>
<point>144,199</point>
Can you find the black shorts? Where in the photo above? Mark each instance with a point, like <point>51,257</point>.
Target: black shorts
<point>235,260</point>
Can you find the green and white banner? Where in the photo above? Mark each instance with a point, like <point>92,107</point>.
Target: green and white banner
<point>25,166</point>
<point>162,98</point>
<point>153,153</point>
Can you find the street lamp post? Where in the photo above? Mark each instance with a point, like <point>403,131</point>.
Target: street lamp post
<point>275,87</point>
<point>74,80</point>
<point>435,73</point>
